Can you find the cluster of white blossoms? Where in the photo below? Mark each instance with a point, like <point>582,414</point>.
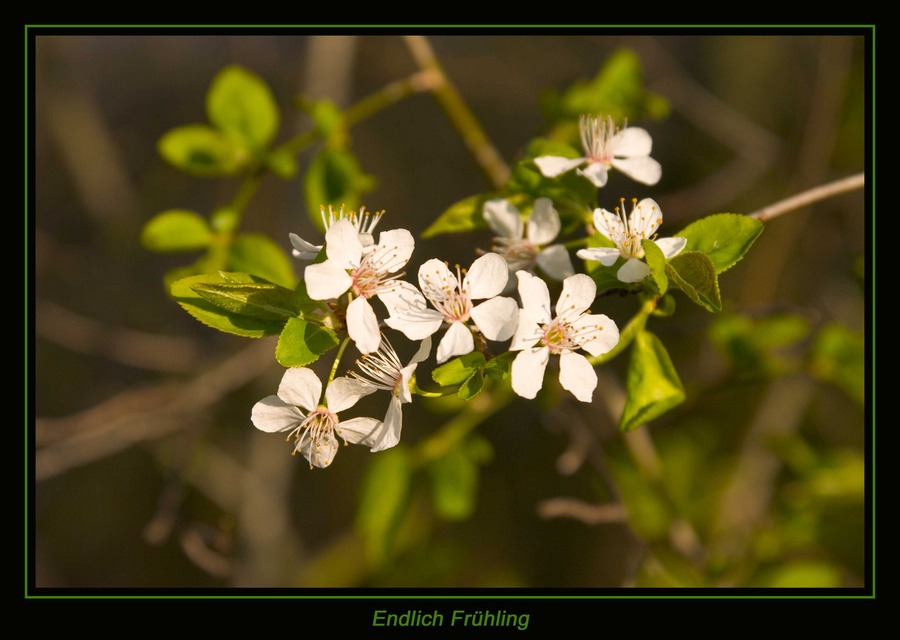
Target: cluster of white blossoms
<point>474,308</point>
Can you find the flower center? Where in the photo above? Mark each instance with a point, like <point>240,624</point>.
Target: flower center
<point>318,429</point>
<point>380,369</point>
<point>518,252</point>
<point>595,136</point>
<point>452,301</point>
<point>374,274</point>
<point>628,231</point>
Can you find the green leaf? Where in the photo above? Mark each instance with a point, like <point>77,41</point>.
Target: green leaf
<point>572,194</point>
<point>263,300</point>
<point>500,366</point>
<point>652,383</point>
<point>693,272</point>
<point>328,118</point>
<point>260,255</point>
<point>616,90</point>
<point>656,260</point>
<point>334,178</point>
<point>176,230</point>
<point>724,237</point>
<point>282,163</point>
<point>301,343</point>
<point>665,307</point>
<point>241,104</point>
<point>472,386</point>
<point>458,370</point>
<point>839,357</point>
<point>752,345</point>
<point>202,151</point>
<point>465,215</point>
<point>228,314</point>
<point>454,484</point>
<point>384,500</point>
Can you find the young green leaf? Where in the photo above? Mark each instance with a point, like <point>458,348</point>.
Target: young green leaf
<point>465,215</point>
<point>500,366</point>
<point>335,178</point>
<point>656,260</point>
<point>652,383</point>
<point>241,104</point>
<point>724,237</point>
<point>472,385</point>
<point>202,151</point>
<point>385,497</point>
<point>258,254</point>
<point>301,343</point>
<point>229,313</point>
<point>263,300</point>
<point>693,272</point>
<point>458,370</point>
<point>454,484</point>
<point>176,230</point>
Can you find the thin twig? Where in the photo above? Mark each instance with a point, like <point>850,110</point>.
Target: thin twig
<point>579,510</point>
<point>800,200</point>
<point>487,156</point>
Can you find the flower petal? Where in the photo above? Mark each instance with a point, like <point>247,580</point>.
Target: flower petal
<point>503,218</point>
<point>633,271</point>
<point>362,325</point>
<point>389,435</point>
<point>342,244</point>
<point>528,332</point>
<point>631,141</point>
<point>487,277</point>
<point>609,224</point>
<point>301,387</point>
<point>403,296</point>
<point>552,166</point>
<point>457,341</point>
<point>645,218</point>
<point>399,245</point>
<point>555,262</point>
<point>577,295</point>
<point>416,324</point>
<point>607,256</point>
<point>320,453</point>
<point>671,247</point>
<point>596,172</point>
<point>364,431</point>
<point>528,371</point>
<point>577,375</point>
<point>436,280</point>
<point>303,249</point>
<point>535,297</point>
<point>326,280</point>
<point>643,169</point>
<point>544,224</point>
<point>597,334</point>
<point>497,318</point>
<point>345,392</point>
<point>273,414</point>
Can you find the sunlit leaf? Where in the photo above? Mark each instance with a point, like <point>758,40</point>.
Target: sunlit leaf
<point>240,321</point>
<point>334,178</point>
<point>202,151</point>
<point>176,230</point>
<point>241,104</point>
<point>385,496</point>
<point>693,272</point>
<point>260,255</point>
<point>724,237</point>
<point>458,370</point>
<point>653,385</point>
<point>302,342</point>
<point>656,260</point>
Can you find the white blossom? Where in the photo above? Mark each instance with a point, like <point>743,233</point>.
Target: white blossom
<point>523,246</point>
<point>451,297</point>
<point>364,222</point>
<point>315,426</point>
<point>539,335</point>
<point>627,234</point>
<point>383,370</point>
<point>605,146</point>
<point>364,272</point>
